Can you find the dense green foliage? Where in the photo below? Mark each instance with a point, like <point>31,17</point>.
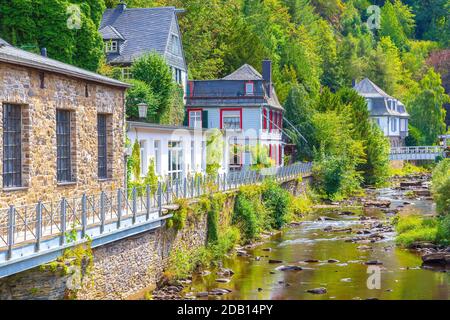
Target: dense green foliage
<point>441,187</point>
<point>265,207</point>
<point>140,92</point>
<point>35,24</point>
<point>155,73</point>
<point>347,148</point>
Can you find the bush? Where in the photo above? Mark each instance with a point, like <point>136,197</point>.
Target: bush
<point>441,187</point>
<point>140,92</point>
<point>407,170</point>
<point>213,223</point>
<point>245,217</point>
<point>178,219</point>
<point>277,202</point>
<point>153,70</point>
<point>443,231</point>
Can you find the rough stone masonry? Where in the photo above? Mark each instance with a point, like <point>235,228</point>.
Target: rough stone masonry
<point>39,94</point>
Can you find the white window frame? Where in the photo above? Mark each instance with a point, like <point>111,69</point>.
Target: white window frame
<point>175,153</point>
<point>111,46</point>
<point>231,115</point>
<point>143,154</point>
<point>126,73</point>
<point>195,119</point>
<point>176,44</point>
<point>157,153</point>
<point>249,88</point>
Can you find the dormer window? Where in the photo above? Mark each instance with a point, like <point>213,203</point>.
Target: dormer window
<point>176,45</point>
<point>369,104</point>
<point>111,46</point>
<point>249,89</point>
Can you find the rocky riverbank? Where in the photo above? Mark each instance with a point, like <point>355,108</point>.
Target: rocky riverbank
<point>346,237</point>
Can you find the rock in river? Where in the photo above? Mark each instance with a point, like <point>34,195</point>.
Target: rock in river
<point>273,261</point>
<point>317,291</point>
<point>223,280</point>
<point>289,268</point>
<point>374,263</point>
<point>437,257</point>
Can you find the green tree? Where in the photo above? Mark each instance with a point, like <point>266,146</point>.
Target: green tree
<point>299,112</point>
<point>153,70</point>
<point>426,108</point>
<point>140,92</point>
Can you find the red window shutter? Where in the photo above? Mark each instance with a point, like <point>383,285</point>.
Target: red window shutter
<point>280,160</point>
<point>264,119</point>
<point>275,121</point>
<point>271,121</point>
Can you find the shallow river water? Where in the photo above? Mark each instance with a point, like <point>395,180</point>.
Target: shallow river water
<point>401,277</point>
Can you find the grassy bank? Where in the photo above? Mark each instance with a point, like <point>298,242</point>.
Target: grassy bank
<point>415,228</point>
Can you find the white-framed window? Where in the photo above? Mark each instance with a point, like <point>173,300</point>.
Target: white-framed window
<point>157,152</point>
<point>235,155</point>
<point>111,46</point>
<point>192,156</point>
<point>175,159</point>
<point>369,104</point>
<point>203,155</point>
<point>143,153</point>
<point>176,45</point>
<point>195,119</point>
<point>249,89</point>
<point>394,124</point>
<point>126,73</point>
<point>232,122</point>
<point>177,75</point>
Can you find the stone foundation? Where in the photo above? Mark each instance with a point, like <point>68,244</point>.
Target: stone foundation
<point>124,268</point>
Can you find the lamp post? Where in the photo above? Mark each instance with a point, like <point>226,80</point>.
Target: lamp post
<point>143,107</point>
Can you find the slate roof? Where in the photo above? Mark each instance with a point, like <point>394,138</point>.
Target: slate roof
<point>379,98</point>
<point>246,72</point>
<point>369,89</point>
<point>143,29</point>
<point>229,91</point>
<point>13,55</point>
<point>110,33</point>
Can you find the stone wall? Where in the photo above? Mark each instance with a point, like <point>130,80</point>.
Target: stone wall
<point>39,95</point>
<point>129,267</point>
<point>120,269</point>
<point>133,265</point>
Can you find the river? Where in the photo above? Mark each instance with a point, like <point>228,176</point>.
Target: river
<point>401,274</point>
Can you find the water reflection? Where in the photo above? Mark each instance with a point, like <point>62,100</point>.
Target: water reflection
<point>346,278</point>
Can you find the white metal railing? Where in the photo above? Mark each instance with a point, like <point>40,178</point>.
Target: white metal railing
<point>418,150</point>
<point>22,225</point>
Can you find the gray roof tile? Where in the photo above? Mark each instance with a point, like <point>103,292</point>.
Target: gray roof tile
<point>246,72</point>
<point>13,55</point>
<point>370,90</point>
<point>144,29</point>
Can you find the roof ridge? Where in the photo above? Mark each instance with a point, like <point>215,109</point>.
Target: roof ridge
<point>238,71</point>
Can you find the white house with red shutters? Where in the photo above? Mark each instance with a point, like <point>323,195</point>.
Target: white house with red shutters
<point>244,105</point>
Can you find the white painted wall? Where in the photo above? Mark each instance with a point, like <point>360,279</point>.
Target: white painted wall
<point>148,136</point>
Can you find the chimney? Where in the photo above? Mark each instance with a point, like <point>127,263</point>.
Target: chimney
<point>267,75</point>
<point>44,52</point>
<point>122,5</point>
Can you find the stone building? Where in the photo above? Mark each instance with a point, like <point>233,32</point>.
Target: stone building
<point>129,33</point>
<point>61,127</point>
